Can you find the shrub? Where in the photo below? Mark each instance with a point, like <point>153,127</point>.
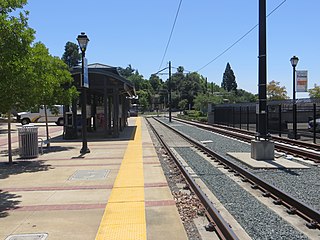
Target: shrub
<point>193,113</point>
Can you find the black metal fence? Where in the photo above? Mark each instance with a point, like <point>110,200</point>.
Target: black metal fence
<point>279,115</point>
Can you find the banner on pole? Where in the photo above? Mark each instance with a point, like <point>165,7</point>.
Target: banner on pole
<point>302,81</point>
<point>85,77</point>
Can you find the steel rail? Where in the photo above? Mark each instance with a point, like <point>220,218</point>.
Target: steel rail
<point>295,206</point>
<point>295,142</point>
<point>222,228</point>
<point>248,136</point>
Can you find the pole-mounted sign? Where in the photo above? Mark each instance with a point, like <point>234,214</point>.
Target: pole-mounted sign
<point>302,80</point>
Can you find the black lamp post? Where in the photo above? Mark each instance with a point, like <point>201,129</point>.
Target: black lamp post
<point>294,61</point>
<point>262,110</point>
<point>83,42</point>
<point>262,148</point>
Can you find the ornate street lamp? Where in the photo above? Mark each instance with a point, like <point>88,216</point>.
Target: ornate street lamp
<point>83,42</point>
<point>294,61</point>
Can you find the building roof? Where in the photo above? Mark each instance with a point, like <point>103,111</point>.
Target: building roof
<point>109,71</point>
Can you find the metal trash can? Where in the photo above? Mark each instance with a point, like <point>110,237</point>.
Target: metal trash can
<point>28,141</point>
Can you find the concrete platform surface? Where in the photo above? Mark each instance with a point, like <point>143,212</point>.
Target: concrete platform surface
<point>64,195</point>
<point>280,162</point>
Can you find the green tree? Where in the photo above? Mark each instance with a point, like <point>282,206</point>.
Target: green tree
<point>183,104</point>
<point>155,82</point>
<point>10,6</point>
<point>52,75</point>
<point>15,37</point>
<point>314,92</point>
<point>29,75</point>
<point>126,72</point>
<point>71,55</point>
<point>143,100</point>
<point>177,80</point>
<point>180,69</point>
<point>17,84</point>
<point>215,88</point>
<point>192,85</point>
<point>229,79</point>
<point>275,91</point>
<point>244,96</point>
<point>137,80</point>
<point>201,101</point>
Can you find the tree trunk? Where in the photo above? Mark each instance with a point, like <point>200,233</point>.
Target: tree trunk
<point>9,138</point>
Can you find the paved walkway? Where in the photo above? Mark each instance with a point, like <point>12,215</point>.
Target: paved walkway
<point>63,195</point>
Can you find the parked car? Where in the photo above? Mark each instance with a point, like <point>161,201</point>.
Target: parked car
<point>38,115</point>
<point>133,113</point>
<point>310,125</point>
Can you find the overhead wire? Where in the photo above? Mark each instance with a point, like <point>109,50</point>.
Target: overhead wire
<point>174,23</point>
<point>242,37</point>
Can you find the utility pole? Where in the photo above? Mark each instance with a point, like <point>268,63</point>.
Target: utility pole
<point>169,88</point>
<point>262,148</point>
<point>262,111</point>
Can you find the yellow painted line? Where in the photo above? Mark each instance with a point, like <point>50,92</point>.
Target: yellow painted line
<point>124,217</point>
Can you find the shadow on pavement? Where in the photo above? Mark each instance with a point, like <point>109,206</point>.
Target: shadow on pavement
<point>15,152</point>
<point>8,200</point>
<point>7,203</point>
<point>53,149</point>
<point>127,134</point>
<point>22,166</point>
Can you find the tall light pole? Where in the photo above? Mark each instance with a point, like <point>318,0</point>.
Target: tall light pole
<point>262,148</point>
<point>83,42</point>
<point>169,87</point>
<point>294,62</point>
<point>262,110</point>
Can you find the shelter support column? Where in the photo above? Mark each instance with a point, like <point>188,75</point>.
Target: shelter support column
<point>106,111</point>
<point>123,112</point>
<point>115,111</point>
<point>94,112</point>
<point>109,117</point>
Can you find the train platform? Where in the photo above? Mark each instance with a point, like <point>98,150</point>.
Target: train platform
<point>117,191</point>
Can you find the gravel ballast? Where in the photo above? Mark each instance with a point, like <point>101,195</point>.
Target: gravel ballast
<point>302,184</point>
<point>258,221</point>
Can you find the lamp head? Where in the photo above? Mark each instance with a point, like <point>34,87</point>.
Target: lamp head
<point>83,41</point>
<point>294,61</point>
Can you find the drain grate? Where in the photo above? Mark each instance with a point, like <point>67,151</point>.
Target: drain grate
<point>89,175</point>
<point>34,236</point>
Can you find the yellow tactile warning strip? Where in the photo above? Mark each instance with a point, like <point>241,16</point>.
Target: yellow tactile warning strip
<point>124,216</point>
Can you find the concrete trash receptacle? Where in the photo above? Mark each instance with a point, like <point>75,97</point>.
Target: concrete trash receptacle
<point>28,141</point>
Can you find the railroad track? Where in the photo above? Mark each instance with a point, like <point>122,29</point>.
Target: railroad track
<point>294,206</point>
<point>296,148</point>
<point>220,226</point>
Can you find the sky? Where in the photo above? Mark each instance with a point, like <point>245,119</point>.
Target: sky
<point>136,32</point>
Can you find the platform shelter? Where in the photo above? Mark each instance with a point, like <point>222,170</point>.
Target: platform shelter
<point>108,101</point>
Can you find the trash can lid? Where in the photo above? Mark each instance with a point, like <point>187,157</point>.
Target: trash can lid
<point>29,126</point>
